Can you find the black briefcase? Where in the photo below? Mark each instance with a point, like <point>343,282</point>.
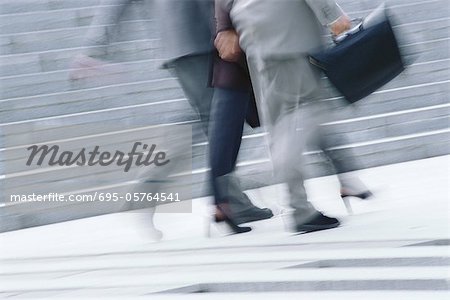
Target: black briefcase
<point>363,59</point>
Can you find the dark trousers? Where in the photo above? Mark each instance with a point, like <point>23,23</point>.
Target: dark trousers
<point>222,114</point>
<point>228,112</point>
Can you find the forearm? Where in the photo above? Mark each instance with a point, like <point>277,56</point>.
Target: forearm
<point>326,11</point>
<point>222,12</point>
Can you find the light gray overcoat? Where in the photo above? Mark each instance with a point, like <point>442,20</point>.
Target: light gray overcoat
<point>281,27</point>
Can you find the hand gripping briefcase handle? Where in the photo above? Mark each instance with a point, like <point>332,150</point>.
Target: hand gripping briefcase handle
<point>363,58</point>
<point>359,26</point>
<point>376,16</point>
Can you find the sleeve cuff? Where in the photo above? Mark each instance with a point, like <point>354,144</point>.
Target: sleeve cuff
<point>333,15</point>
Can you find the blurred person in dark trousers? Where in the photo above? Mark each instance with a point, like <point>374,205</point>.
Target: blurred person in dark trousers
<point>186,28</point>
<point>233,104</point>
<point>277,37</point>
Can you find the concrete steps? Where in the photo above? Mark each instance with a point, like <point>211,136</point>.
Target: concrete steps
<point>80,13</point>
<point>63,18</point>
<point>418,79</point>
<point>145,49</point>
<point>24,6</point>
<point>117,73</point>
<point>60,59</point>
<point>253,172</point>
<point>60,38</point>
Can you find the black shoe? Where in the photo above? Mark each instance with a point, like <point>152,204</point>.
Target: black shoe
<point>222,214</point>
<point>319,222</point>
<point>363,195</point>
<point>345,194</point>
<point>252,214</point>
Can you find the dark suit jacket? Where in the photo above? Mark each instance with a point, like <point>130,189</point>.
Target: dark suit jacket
<point>232,75</point>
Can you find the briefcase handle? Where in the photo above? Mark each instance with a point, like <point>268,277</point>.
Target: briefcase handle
<point>376,16</point>
<point>355,29</point>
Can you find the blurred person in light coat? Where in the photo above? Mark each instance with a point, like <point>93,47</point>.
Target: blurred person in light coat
<point>277,37</point>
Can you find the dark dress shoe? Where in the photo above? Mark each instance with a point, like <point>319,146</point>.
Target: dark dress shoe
<point>252,214</point>
<point>223,214</point>
<point>361,195</point>
<point>319,222</point>
<point>345,194</point>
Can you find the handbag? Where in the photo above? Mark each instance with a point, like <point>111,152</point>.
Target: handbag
<point>363,59</point>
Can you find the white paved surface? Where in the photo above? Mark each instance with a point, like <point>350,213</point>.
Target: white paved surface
<point>368,257</point>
